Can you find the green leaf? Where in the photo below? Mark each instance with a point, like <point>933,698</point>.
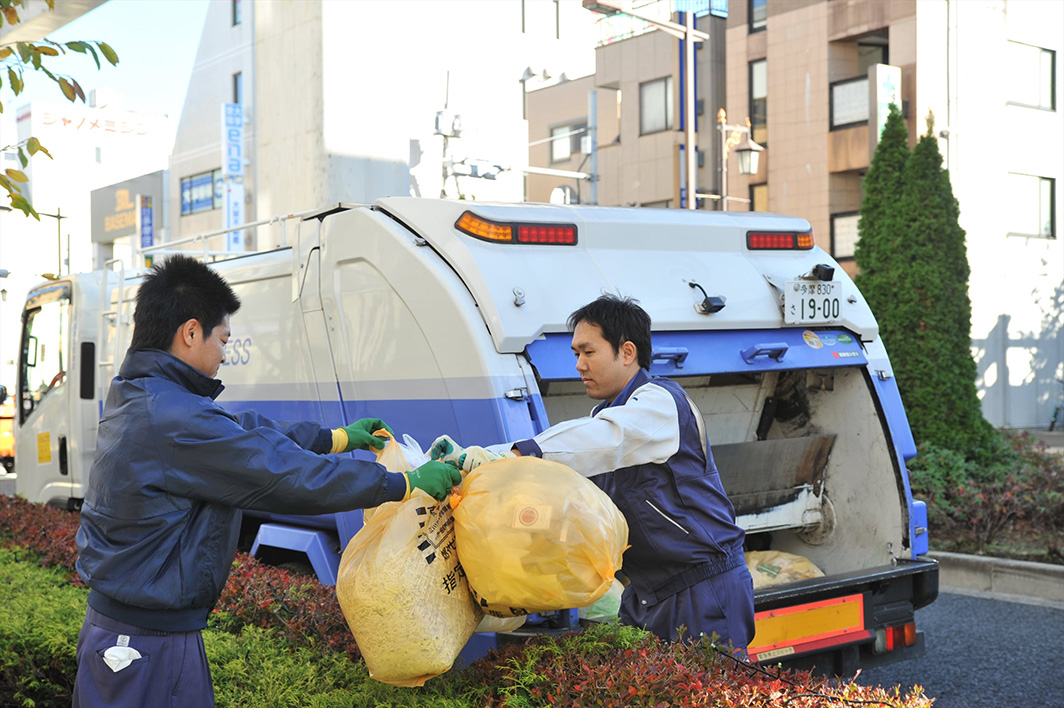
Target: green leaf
<point>48,51</point>
<point>78,47</point>
<point>94,56</point>
<point>41,148</point>
<point>23,52</point>
<point>19,202</point>
<point>33,145</point>
<point>77,89</point>
<point>5,52</point>
<point>108,52</point>
<point>22,157</point>
<point>68,89</point>
<point>7,185</point>
<point>16,175</point>
<point>14,80</point>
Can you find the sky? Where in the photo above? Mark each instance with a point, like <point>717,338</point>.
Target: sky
<point>156,42</point>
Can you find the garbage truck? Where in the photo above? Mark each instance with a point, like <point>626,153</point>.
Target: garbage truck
<point>449,317</point>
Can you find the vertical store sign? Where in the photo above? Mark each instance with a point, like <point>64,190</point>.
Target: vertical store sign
<point>233,172</point>
<point>145,225</point>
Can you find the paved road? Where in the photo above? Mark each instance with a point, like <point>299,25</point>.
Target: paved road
<point>983,652</point>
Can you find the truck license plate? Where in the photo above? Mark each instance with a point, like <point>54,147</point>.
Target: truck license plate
<point>811,301</point>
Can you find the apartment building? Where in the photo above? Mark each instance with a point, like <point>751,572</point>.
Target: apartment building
<point>640,99</point>
<point>812,77</point>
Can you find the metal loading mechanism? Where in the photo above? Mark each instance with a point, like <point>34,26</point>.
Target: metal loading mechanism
<point>776,484</point>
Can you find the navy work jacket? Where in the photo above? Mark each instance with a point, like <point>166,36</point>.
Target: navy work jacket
<point>171,473</point>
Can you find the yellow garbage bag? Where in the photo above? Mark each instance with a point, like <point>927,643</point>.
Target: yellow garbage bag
<point>402,589</point>
<point>535,536</point>
<point>778,567</point>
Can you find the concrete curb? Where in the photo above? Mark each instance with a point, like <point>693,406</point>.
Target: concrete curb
<point>1022,581</point>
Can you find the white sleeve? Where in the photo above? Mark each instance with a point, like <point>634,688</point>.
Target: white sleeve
<point>646,429</point>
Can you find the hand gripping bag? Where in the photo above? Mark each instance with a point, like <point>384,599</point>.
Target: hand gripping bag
<point>403,591</point>
<point>535,536</point>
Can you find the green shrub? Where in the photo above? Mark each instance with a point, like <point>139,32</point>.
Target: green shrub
<point>974,502</point>
<point>40,617</point>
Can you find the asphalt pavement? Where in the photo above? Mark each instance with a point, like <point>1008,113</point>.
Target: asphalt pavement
<point>983,651</point>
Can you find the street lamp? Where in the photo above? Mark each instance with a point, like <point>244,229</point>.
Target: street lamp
<point>749,154</point>
<point>690,35</point>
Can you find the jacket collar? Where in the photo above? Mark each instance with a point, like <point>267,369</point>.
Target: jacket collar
<point>155,362</point>
<point>640,378</point>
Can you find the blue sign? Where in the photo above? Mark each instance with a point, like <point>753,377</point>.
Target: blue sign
<point>147,232</point>
<point>232,140</point>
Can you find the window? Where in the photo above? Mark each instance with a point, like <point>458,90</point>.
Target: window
<point>238,88</point>
<point>759,101</point>
<point>758,14</point>
<point>655,105</point>
<point>202,192</point>
<point>1032,211</point>
<point>236,12</point>
<point>45,338</point>
<point>99,155</point>
<point>758,197</point>
<point>844,234</point>
<point>1032,76</point>
<point>566,140</point>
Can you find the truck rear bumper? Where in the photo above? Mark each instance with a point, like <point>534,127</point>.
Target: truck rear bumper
<point>836,624</point>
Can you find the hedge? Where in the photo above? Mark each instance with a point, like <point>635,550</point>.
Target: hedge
<point>298,658</point>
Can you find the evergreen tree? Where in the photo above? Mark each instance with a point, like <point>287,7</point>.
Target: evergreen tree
<point>920,283</point>
<point>880,213</point>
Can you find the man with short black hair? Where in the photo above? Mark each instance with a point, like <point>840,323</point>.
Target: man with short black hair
<point>172,472</point>
<point>645,445</point>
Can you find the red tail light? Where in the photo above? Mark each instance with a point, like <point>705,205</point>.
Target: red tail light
<point>779,241</point>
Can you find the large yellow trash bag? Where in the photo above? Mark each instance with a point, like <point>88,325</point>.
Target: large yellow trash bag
<point>777,567</point>
<point>401,586</point>
<point>404,594</point>
<point>535,536</point>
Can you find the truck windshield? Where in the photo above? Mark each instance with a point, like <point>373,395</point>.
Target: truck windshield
<point>45,339</point>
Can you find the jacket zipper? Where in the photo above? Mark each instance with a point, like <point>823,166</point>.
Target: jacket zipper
<point>666,517</point>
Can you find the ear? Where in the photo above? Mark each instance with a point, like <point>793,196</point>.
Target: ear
<point>629,353</point>
<point>187,334</point>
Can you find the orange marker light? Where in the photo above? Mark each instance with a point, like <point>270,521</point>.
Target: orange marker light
<point>481,228</point>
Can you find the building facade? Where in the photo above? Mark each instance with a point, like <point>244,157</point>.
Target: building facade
<point>640,99</point>
<point>353,101</point>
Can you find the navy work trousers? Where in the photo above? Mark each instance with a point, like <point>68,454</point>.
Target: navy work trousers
<point>172,670</point>
<point>723,603</point>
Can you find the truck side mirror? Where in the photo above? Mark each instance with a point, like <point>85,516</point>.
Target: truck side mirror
<point>3,393</point>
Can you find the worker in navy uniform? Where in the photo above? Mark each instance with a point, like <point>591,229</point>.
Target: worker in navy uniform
<point>171,474</point>
<point>645,445</point>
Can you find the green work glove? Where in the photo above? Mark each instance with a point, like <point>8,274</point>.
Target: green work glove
<point>359,436</point>
<point>436,478</point>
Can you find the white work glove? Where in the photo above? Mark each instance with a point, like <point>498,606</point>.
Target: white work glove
<point>444,449</point>
<point>475,456</point>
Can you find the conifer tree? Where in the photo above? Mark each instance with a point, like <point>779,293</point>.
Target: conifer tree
<point>920,284</point>
<point>880,212</point>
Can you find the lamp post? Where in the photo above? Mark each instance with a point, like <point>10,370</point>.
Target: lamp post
<point>58,216</point>
<point>748,150</point>
<point>690,35</point>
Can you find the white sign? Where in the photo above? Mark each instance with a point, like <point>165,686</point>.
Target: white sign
<point>232,140</point>
<point>234,215</point>
<point>884,88</point>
